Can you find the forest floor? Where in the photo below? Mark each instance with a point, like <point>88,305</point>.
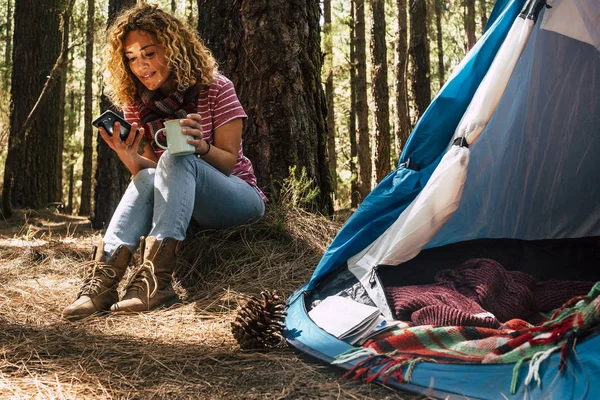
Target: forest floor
<point>183,352</point>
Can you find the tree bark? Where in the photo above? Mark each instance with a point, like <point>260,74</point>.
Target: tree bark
<point>69,207</point>
<point>484,16</point>
<point>379,87</point>
<point>354,192</point>
<point>440,43</point>
<point>271,51</point>
<point>403,125</point>
<point>329,91</point>
<point>85,206</point>
<point>363,144</point>
<point>71,158</point>
<point>190,16</point>
<point>8,48</point>
<point>31,170</point>
<point>62,87</point>
<point>112,177</point>
<point>469,23</point>
<point>420,81</point>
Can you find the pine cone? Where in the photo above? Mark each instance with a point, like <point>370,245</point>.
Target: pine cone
<point>259,323</point>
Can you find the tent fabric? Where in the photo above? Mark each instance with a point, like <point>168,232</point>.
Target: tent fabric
<point>544,137</point>
<point>416,225</point>
<point>578,19</point>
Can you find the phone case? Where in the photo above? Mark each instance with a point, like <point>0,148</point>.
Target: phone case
<point>107,119</point>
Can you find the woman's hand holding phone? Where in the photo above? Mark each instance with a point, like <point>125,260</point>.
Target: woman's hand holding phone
<point>125,149</point>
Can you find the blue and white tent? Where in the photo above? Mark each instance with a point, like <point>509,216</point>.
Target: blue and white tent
<point>504,162</point>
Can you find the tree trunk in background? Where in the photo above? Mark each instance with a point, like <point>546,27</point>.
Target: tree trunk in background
<point>69,207</point>
<point>70,130</point>
<point>484,16</point>
<point>379,87</point>
<point>354,193</point>
<point>60,130</point>
<point>363,145</point>
<point>271,51</point>
<point>112,177</point>
<point>470,23</point>
<point>30,169</point>
<point>440,44</point>
<point>430,22</point>
<point>8,48</point>
<point>173,6</point>
<point>420,81</point>
<point>190,17</point>
<point>328,50</point>
<point>85,207</point>
<point>403,125</point>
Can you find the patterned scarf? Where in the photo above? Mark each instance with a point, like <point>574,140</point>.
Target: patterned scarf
<point>155,108</point>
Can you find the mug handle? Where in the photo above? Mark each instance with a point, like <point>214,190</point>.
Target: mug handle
<point>156,139</point>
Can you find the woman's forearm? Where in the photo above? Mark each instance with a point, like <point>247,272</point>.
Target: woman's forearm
<point>220,159</point>
<point>137,163</point>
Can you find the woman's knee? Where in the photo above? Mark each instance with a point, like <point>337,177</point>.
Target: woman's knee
<point>144,177</point>
<point>168,162</point>
<point>143,181</point>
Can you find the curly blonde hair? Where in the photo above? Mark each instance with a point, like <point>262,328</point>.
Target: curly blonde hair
<point>191,62</point>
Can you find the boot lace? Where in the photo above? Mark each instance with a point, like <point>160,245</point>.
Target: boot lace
<point>141,279</point>
<point>96,273</point>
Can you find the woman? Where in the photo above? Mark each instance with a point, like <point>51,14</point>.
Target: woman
<point>157,70</point>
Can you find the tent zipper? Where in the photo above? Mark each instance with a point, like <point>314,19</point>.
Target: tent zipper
<point>373,280</point>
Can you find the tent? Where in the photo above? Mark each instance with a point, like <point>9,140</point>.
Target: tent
<point>502,165</point>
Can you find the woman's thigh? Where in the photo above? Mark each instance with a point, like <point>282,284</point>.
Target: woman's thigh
<point>223,201</point>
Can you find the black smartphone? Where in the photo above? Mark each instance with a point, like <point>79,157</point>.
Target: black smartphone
<point>107,119</point>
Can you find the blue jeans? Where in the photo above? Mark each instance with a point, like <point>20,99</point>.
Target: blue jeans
<point>161,202</point>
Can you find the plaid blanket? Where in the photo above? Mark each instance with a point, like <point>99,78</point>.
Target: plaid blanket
<point>395,353</point>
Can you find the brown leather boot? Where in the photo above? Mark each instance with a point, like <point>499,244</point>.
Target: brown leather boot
<point>99,289</point>
<point>150,286</point>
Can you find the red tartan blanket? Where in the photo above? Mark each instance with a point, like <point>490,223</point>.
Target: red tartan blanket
<point>395,353</point>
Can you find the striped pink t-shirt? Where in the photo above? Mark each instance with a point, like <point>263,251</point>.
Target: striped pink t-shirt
<point>217,105</point>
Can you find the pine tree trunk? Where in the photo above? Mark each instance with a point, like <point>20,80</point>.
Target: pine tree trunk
<point>71,158</point>
<point>363,143</point>
<point>420,81</point>
<point>354,192</point>
<point>470,23</point>
<point>379,87</point>
<point>112,177</point>
<point>31,167</point>
<point>85,206</point>
<point>440,43</point>
<point>403,125</point>
<point>69,208</point>
<point>271,51</point>
<point>484,16</point>
<point>329,88</point>
<point>8,48</point>
<point>190,16</point>
<point>61,112</point>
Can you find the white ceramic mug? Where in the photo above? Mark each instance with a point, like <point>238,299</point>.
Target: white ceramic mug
<point>176,141</point>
